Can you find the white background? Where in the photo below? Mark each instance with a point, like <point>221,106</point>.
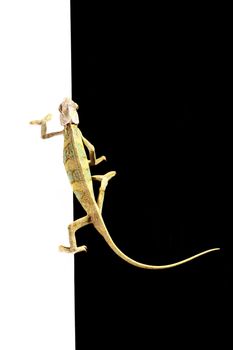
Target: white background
<point>36,281</point>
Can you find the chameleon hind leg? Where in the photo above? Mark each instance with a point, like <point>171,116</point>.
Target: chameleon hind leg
<point>72,228</point>
<point>86,220</point>
<point>104,182</point>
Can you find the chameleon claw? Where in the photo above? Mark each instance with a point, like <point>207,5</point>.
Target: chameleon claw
<point>82,248</point>
<point>110,174</point>
<point>106,178</point>
<point>41,121</point>
<point>73,250</point>
<point>64,249</point>
<point>35,122</point>
<point>100,159</point>
<point>47,117</point>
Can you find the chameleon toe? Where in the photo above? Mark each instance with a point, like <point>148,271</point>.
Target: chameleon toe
<point>73,250</point>
<point>64,249</point>
<point>110,174</point>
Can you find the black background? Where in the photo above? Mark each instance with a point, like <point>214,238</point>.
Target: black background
<point>152,86</point>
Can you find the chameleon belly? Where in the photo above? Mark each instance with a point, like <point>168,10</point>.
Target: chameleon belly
<point>76,162</point>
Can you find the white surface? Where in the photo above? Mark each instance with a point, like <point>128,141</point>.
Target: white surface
<point>36,281</point>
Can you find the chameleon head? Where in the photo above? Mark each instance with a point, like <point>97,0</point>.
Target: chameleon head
<point>68,112</point>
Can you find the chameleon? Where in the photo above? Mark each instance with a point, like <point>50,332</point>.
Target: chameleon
<point>77,166</point>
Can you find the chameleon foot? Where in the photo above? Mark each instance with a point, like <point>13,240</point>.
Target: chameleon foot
<point>109,175</point>
<point>73,250</point>
<point>41,121</point>
<point>104,178</point>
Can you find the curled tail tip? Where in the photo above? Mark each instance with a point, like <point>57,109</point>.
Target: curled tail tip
<point>211,250</point>
<point>200,254</point>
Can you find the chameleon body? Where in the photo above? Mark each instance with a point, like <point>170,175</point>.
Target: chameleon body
<point>77,166</point>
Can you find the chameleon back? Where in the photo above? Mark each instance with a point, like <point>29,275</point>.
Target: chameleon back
<point>76,163</point>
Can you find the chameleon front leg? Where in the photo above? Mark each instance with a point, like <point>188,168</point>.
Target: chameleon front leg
<point>43,123</point>
<point>72,228</point>
<point>91,149</point>
<point>104,182</point>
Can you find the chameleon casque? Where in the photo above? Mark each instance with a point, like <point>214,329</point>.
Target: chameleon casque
<point>77,166</point>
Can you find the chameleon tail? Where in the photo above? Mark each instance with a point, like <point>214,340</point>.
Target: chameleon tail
<point>101,228</point>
